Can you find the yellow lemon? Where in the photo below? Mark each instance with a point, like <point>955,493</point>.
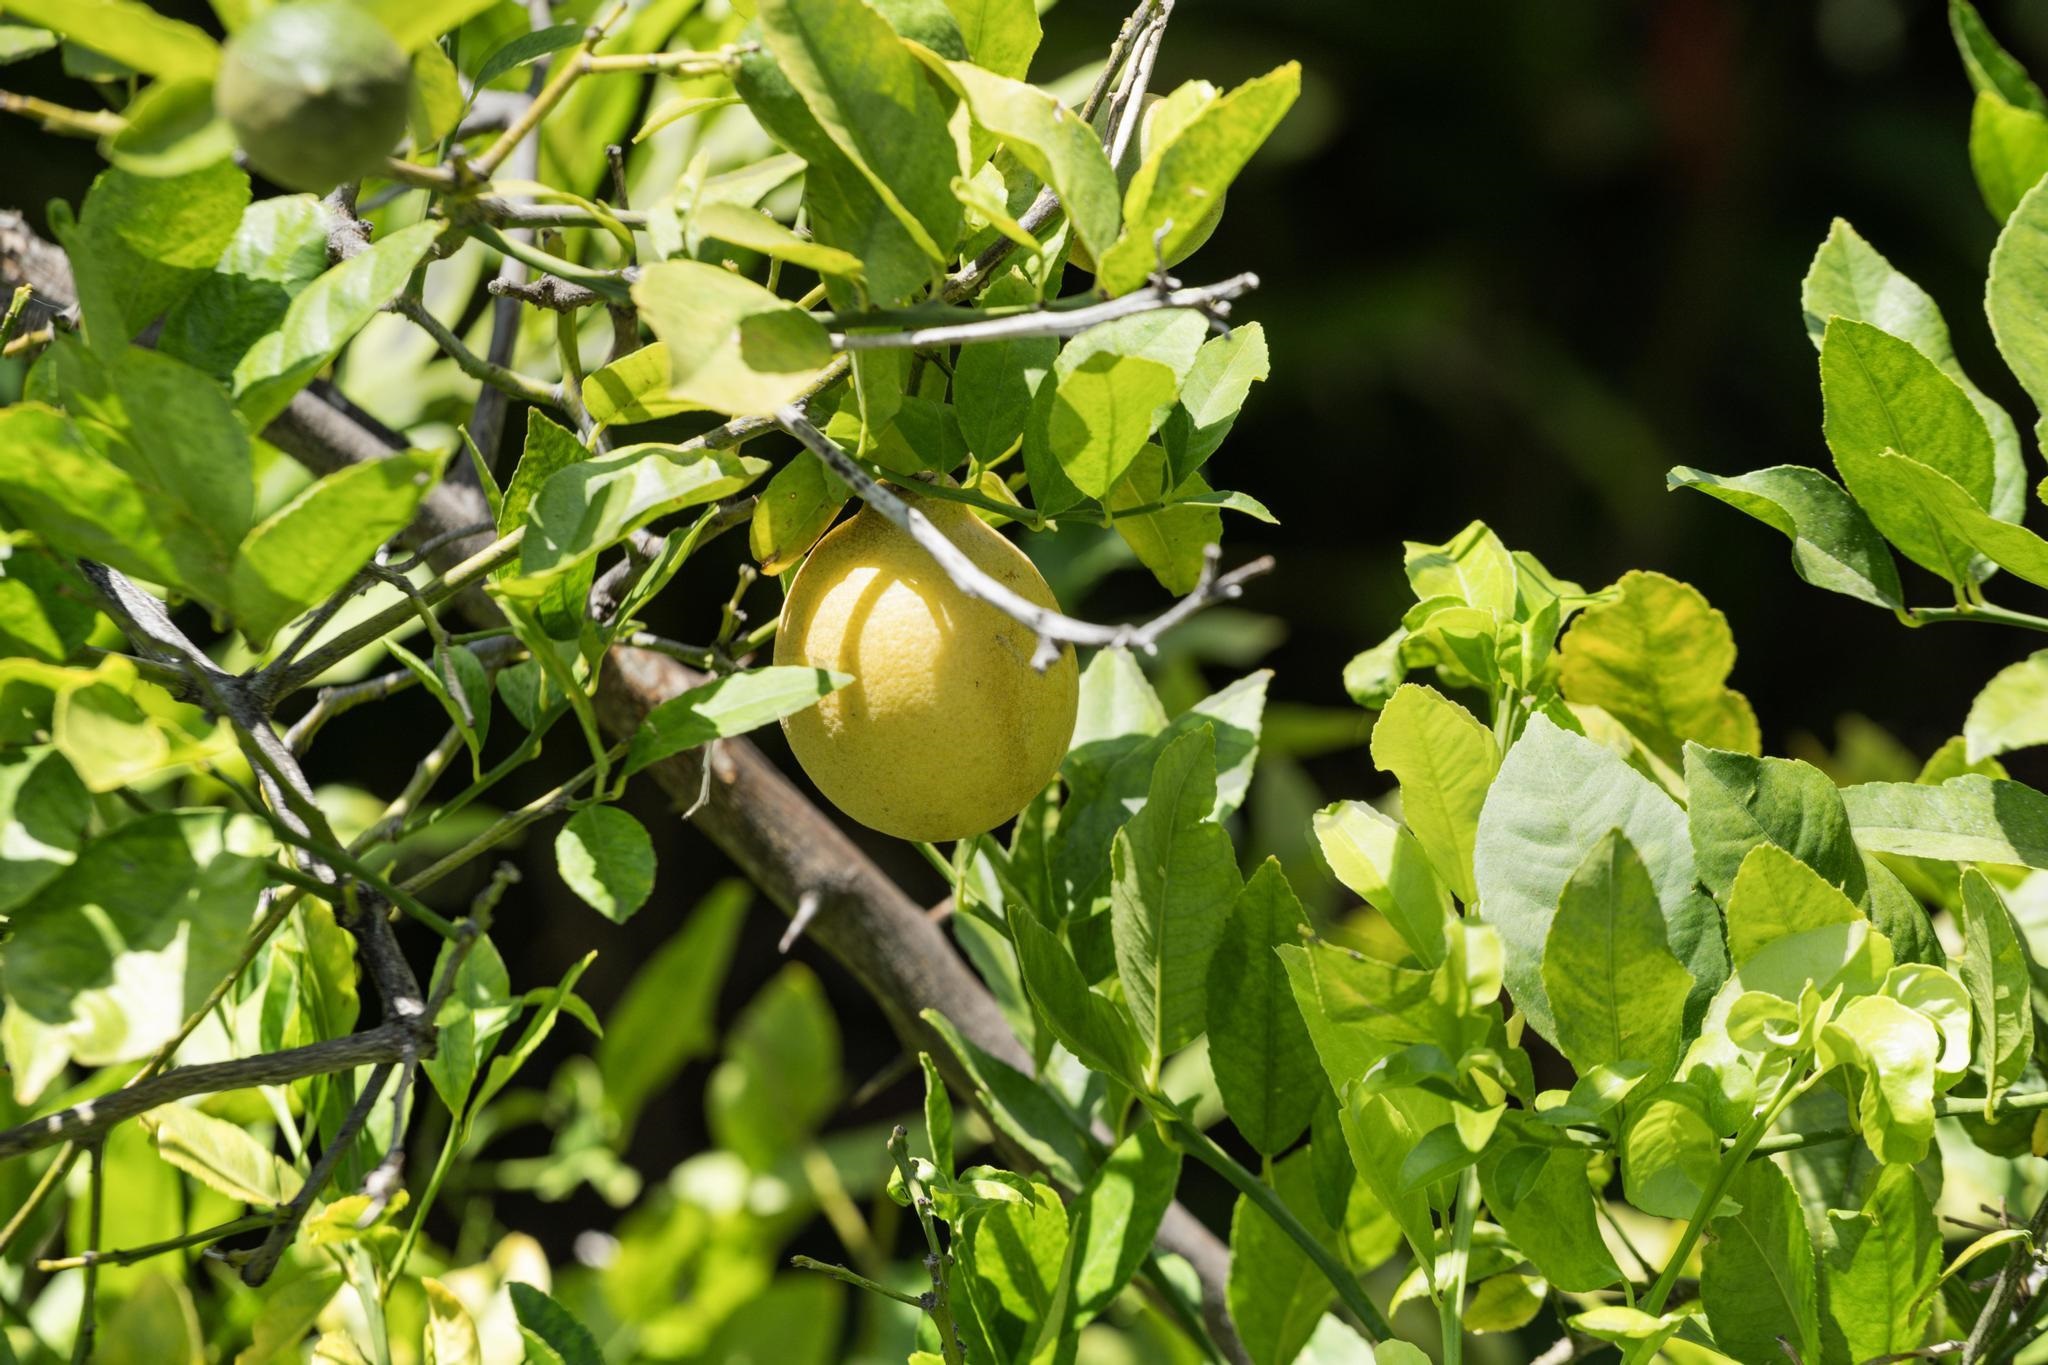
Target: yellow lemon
<point>946,729</point>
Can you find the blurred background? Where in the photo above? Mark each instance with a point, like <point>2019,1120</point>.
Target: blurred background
<point>1518,260</point>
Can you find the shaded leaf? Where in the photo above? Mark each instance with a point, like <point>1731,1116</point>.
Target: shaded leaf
<point>607,858</point>
<point>1264,1064</point>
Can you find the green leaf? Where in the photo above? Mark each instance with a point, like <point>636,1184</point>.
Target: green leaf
<point>1737,801</point>
<point>780,1078</point>
<point>171,429</point>
<point>434,102</point>
<point>1173,541</point>
<point>2019,280</point>
<point>592,504</point>
<point>1990,66</point>
<point>1994,972</point>
<point>1173,876</point>
<point>634,388</point>
<point>1945,511</point>
<point>1757,1271</point>
<point>1265,1066</point>
<point>666,1017</point>
<point>555,1325</point>
<point>1028,1113</point>
<point>1359,1009</point>
<point>1000,35</point>
<point>547,1006</point>
<point>108,959</point>
<point>1445,760</point>
<point>871,97</point>
<point>606,858</point>
<point>44,810</point>
<point>456,679</point>
<point>2011,712</point>
<point>79,501</point>
<point>1776,896</point>
<point>1656,657</point>
<point>1119,736</point>
<point>938,1115</point>
<point>727,706</point>
<point>1552,1222</point>
<point>994,381</point>
<point>794,511</point>
<point>549,447</point>
<point>756,231</point>
<point>1834,546</point>
<point>517,51</point>
<point>1880,394</point>
<point>46,610</point>
<point>289,1312</point>
<point>415,23</point>
<point>2008,151</point>
<point>322,319</point>
<point>1090,1025</point>
<point>1850,278</point>
<point>1377,857</point>
<point>1215,390</point>
<point>313,546</point>
<point>19,42</point>
<point>1012,1265</point>
<point>1379,1135</point>
<point>1896,1047</point>
<point>1612,982</point>
<point>845,207</point>
<point>278,249</point>
<point>477,1012</point>
<point>1107,393</point>
<point>732,346</point>
<point>451,1333</point>
<point>129,32</point>
<point>1878,1270</point>
<point>1276,1294</point>
<point>1966,819</point>
<point>221,1156</point>
<point>1179,187</point>
<point>1557,796</point>
<point>1116,1216</point>
<point>172,130</point>
<point>1048,139</point>
<point>1669,1152</point>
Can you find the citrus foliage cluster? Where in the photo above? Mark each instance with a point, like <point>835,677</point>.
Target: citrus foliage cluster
<point>1641,1039</point>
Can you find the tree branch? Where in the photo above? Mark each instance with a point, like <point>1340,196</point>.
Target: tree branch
<point>1052,628</point>
<point>385,1043</point>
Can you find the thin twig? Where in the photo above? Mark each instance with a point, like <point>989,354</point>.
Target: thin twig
<point>937,1261</point>
<point>1051,627</point>
<point>470,363</point>
<point>1211,300</point>
<point>136,1255</point>
<point>81,1343</point>
<point>2005,1289</point>
<point>257,1269</point>
<point>274,682</point>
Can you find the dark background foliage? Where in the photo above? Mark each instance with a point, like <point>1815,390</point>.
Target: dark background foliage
<point>1518,259</point>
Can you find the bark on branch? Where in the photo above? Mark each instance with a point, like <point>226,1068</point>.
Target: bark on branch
<point>383,1044</point>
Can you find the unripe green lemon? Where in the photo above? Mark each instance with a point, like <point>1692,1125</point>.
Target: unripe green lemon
<point>946,730</point>
<point>315,92</point>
